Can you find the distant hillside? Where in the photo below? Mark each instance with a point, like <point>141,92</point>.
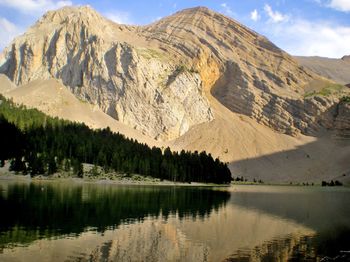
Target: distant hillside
<point>332,68</point>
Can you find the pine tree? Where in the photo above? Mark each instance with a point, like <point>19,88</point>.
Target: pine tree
<point>77,168</point>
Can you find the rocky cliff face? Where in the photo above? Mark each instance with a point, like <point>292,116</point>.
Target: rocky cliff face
<point>342,120</point>
<point>292,115</point>
<point>136,85</point>
<point>154,78</point>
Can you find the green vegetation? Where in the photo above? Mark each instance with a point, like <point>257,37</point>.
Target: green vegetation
<point>326,91</point>
<point>38,144</point>
<point>150,53</point>
<point>345,99</point>
<point>183,68</point>
<point>179,70</point>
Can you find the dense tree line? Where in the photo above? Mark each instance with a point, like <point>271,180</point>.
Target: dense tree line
<point>39,144</point>
<point>332,183</point>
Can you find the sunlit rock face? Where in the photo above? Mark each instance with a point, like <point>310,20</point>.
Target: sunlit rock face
<point>136,85</point>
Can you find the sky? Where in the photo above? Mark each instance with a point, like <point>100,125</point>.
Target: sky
<point>300,27</point>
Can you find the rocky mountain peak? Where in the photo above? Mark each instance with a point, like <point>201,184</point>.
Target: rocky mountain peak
<point>69,13</point>
<point>108,65</point>
<point>156,78</point>
<point>71,16</point>
<point>199,10</point>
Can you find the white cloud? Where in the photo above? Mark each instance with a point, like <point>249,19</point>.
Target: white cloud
<point>8,31</point>
<point>275,16</point>
<point>34,7</point>
<point>157,19</point>
<point>227,9</point>
<point>119,17</point>
<point>341,5</point>
<point>317,38</point>
<point>254,15</point>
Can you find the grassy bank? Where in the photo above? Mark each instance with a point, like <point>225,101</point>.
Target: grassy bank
<point>96,175</point>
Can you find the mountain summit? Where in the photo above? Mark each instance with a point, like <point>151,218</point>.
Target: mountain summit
<point>154,78</point>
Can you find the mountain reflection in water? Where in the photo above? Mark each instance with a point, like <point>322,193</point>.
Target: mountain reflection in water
<point>61,222</point>
<point>47,210</point>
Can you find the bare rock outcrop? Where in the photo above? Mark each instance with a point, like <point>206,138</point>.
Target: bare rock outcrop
<point>342,120</point>
<point>136,85</point>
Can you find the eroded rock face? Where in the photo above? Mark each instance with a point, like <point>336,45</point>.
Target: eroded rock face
<point>137,86</point>
<point>153,78</point>
<point>342,120</point>
<point>255,77</point>
<point>288,115</point>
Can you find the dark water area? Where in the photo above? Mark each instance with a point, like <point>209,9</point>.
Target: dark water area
<point>55,221</point>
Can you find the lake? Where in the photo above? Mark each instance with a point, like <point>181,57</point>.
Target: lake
<point>56,221</point>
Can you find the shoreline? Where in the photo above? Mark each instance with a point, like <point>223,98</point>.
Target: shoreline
<point>104,181</point>
<point>137,180</point>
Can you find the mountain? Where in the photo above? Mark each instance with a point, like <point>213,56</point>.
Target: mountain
<point>113,68</point>
<point>336,69</point>
<point>196,80</point>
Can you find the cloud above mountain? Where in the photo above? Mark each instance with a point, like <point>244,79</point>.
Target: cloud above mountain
<point>275,16</point>
<point>341,5</point>
<point>254,15</point>
<point>34,7</point>
<point>118,17</point>
<point>8,31</point>
<point>302,37</point>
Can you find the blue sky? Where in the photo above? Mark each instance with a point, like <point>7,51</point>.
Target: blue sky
<point>301,27</point>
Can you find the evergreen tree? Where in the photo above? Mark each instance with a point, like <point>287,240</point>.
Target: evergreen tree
<point>18,165</point>
<point>77,168</point>
<point>52,166</point>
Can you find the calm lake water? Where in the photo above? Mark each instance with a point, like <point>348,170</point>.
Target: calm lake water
<point>52,221</point>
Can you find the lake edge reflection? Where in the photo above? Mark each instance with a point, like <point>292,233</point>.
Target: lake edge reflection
<point>198,225</point>
<point>53,209</point>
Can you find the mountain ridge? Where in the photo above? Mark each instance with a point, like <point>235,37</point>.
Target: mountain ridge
<point>332,68</point>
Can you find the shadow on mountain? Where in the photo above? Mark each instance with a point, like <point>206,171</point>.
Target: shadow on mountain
<point>324,159</point>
